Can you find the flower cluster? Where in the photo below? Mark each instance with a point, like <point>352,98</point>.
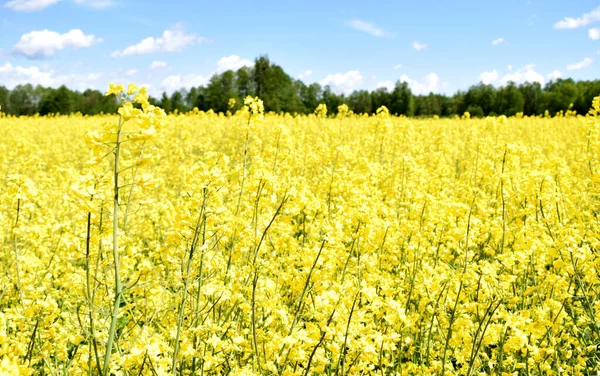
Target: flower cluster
<point>253,108</point>
<point>321,110</point>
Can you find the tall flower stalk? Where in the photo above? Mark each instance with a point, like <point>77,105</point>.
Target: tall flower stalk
<point>142,125</point>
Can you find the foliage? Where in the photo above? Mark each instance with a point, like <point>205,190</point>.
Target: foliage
<point>282,93</point>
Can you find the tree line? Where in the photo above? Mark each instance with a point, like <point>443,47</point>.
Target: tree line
<point>282,93</point>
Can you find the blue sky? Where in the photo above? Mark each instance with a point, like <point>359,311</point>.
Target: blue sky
<point>438,46</point>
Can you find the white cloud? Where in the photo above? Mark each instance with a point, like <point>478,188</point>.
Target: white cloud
<point>509,67</point>
<point>37,5</point>
<point>94,76</point>
<point>496,42</point>
<point>176,82</point>
<point>45,43</point>
<point>158,65</point>
<point>430,84</point>
<point>419,46</point>
<point>172,40</point>
<point>131,72</point>
<point>388,84</point>
<point>81,81</point>
<point>525,74</point>
<point>489,77</point>
<point>574,23</point>
<point>343,82</point>
<point>367,27</point>
<point>397,66</point>
<point>580,65</point>
<point>97,4</point>
<point>554,75</point>
<point>305,74</point>
<point>11,76</point>
<point>29,5</point>
<point>233,62</point>
<point>594,33</point>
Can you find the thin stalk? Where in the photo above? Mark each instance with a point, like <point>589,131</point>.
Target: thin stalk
<point>449,334</point>
<point>453,315</point>
<point>200,280</point>
<point>253,313</point>
<point>503,204</point>
<point>186,283</point>
<point>118,287</point>
<point>255,281</point>
<point>89,292</point>
<point>301,301</point>
<point>343,352</point>
<point>16,250</point>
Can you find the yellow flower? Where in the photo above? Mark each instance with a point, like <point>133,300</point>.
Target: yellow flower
<point>321,110</point>
<point>132,88</point>
<point>114,89</point>
<point>142,96</point>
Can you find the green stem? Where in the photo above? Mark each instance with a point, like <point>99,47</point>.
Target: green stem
<point>118,288</point>
<point>186,283</point>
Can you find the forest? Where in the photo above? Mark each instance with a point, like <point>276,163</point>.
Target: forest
<point>282,93</point>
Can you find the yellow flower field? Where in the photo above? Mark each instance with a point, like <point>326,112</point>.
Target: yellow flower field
<point>252,244</point>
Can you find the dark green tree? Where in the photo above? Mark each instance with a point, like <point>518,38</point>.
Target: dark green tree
<point>509,100</point>
<point>4,99</point>
<point>360,102</point>
<point>59,101</point>
<point>165,103</point>
<point>177,102</point>
<point>532,98</point>
<point>23,100</point>
<point>401,100</point>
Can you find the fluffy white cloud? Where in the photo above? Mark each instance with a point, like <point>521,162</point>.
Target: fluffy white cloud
<point>419,46</point>
<point>176,82</point>
<point>158,65</point>
<point>594,33</point>
<point>497,41</point>
<point>397,66</point>
<point>343,82</point>
<point>430,84</point>
<point>45,43</point>
<point>367,27</point>
<point>554,75</point>
<point>29,5</point>
<point>131,72</point>
<point>580,65</point>
<point>172,40</point>
<point>233,62</point>
<point>525,74</point>
<point>305,74</point>
<point>521,75</point>
<point>489,77</point>
<point>11,76</point>
<point>81,81</point>
<point>388,84</point>
<point>574,23</point>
